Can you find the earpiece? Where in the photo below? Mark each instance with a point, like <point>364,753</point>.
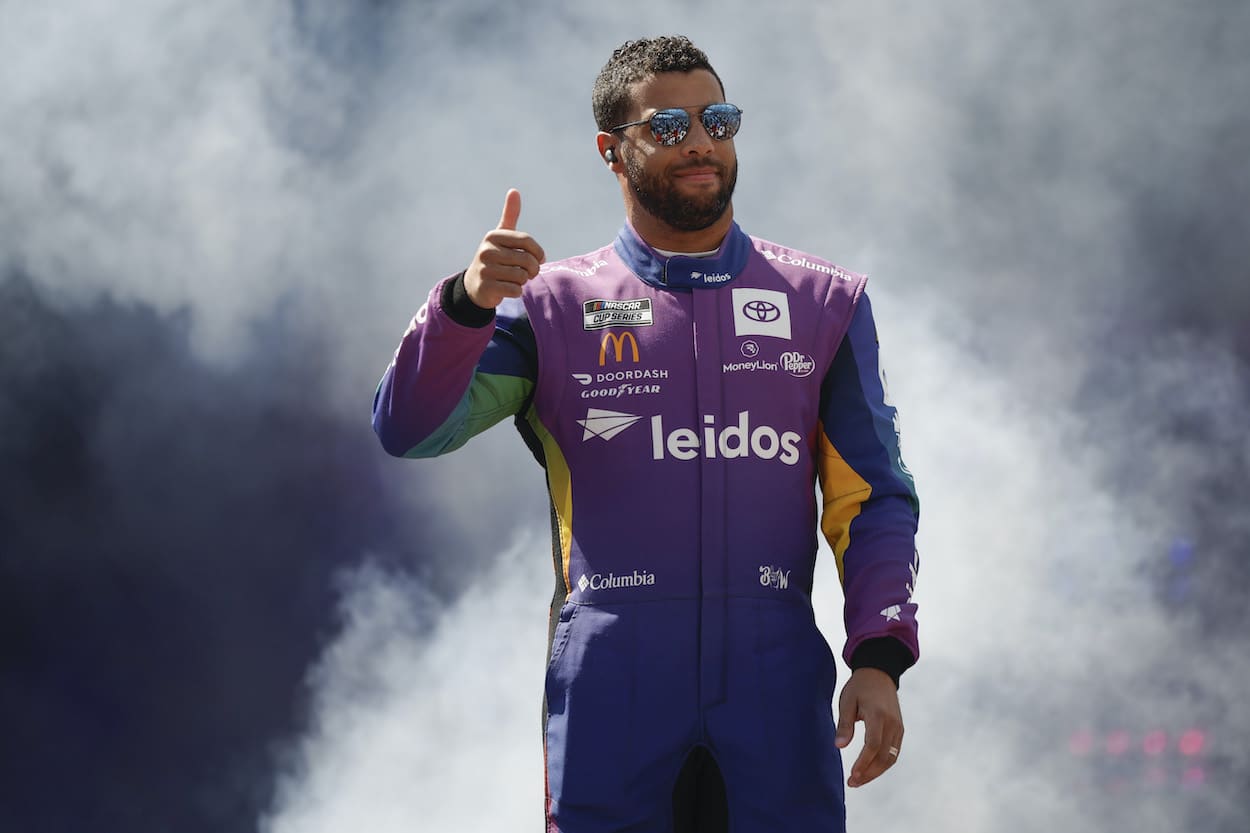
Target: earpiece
<point>609,156</point>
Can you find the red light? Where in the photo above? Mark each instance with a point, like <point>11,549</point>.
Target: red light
<point>1081,742</point>
<point>1117,742</point>
<point>1195,776</point>
<point>1154,743</point>
<point>1191,742</point>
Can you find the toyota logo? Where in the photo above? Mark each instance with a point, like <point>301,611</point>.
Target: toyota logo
<point>761,311</point>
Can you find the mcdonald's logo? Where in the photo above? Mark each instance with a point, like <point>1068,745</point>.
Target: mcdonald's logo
<point>618,347</point>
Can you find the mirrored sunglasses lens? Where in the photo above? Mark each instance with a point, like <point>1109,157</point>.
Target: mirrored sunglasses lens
<point>722,121</point>
<point>669,126</point>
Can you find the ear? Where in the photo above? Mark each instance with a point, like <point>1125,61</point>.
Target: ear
<point>609,149</point>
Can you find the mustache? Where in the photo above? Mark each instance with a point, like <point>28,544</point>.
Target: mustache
<point>717,165</point>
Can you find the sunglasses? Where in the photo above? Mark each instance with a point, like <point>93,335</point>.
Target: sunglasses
<point>670,127</point>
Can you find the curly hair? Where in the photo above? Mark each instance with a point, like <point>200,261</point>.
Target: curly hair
<point>635,61</point>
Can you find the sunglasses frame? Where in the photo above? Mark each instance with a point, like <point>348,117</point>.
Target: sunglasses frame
<point>685,131</point>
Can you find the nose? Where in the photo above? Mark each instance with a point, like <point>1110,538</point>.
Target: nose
<point>698,141</point>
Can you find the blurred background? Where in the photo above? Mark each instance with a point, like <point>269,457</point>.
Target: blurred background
<point>223,608</point>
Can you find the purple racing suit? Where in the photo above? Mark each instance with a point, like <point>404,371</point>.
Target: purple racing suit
<point>684,410</point>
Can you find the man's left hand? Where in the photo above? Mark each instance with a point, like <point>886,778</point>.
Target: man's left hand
<point>869,695</point>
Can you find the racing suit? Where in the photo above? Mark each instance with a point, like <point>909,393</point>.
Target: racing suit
<point>683,409</point>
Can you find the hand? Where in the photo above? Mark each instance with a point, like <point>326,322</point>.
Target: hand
<point>869,695</point>
<point>506,259</point>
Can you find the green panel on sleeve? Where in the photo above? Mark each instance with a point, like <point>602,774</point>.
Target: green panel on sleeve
<point>489,399</point>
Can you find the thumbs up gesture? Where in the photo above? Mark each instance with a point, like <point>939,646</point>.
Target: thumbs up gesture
<point>506,259</point>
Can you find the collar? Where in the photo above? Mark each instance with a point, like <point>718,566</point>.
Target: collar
<point>680,271</point>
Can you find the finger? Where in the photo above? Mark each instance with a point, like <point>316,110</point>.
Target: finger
<point>508,259</point>
<point>511,210</point>
<point>501,289</point>
<point>883,737</point>
<point>874,731</point>
<point>847,708</point>
<point>874,747</point>
<point>514,275</point>
<point>512,239</point>
<point>885,758</point>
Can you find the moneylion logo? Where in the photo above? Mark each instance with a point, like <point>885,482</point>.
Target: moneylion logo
<point>605,424</point>
<point>618,347</point>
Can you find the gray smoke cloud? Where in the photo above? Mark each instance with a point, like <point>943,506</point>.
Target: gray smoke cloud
<point>1049,199</point>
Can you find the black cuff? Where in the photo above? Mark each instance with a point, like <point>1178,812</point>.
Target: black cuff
<point>885,653</point>
<point>460,307</point>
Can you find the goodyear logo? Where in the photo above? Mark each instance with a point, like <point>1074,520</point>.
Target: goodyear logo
<point>601,313</point>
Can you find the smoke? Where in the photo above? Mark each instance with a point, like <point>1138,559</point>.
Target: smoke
<point>168,534</point>
<point>422,708</point>
<point>215,221</point>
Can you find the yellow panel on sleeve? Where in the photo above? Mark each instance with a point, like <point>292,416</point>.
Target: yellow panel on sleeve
<point>842,492</point>
<point>560,486</point>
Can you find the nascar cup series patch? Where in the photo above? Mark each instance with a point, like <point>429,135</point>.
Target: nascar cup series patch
<point>599,313</point>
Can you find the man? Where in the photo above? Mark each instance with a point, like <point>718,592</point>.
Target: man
<point>684,388</point>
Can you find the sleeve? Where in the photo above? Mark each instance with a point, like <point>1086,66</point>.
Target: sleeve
<point>870,510</point>
<point>454,374</point>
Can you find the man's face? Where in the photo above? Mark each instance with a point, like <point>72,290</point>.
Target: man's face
<point>687,186</point>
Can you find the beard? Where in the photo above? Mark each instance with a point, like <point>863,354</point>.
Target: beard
<point>657,193</point>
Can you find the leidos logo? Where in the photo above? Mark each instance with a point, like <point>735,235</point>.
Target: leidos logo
<point>618,342</point>
<point>731,442</point>
<point>720,277</point>
<point>605,424</point>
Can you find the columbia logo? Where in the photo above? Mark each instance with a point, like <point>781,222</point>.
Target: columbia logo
<point>769,255</point>
<point>583,583</point>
